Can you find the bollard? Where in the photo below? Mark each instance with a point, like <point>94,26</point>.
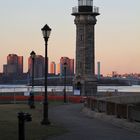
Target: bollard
<point>22,117</point>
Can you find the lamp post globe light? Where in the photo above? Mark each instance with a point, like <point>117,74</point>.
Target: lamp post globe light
<point>31,100</point>
<point>46,30</point>
<point>65,68</point>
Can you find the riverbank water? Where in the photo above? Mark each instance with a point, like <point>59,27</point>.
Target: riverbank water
<point>25,88</point>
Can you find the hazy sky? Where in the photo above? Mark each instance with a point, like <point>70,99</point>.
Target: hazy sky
<point>117,31</point>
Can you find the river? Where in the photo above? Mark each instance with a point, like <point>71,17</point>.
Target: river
<point>25,88</point>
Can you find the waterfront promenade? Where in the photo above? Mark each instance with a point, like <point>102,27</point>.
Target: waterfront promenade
<point>82,127</point>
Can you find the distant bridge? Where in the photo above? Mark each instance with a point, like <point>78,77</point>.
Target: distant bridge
<point>59,80</point>
<point>127,81</point>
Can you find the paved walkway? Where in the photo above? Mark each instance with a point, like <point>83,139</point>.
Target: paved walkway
<point>81,127</point>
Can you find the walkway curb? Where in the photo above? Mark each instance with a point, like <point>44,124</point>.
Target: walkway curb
<point>123,123</point>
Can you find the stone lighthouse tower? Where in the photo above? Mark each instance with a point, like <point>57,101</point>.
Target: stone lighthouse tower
<point>85,20</point>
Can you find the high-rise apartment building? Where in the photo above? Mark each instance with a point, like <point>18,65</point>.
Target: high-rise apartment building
<point>12,59</point>
<point>14,65</point>
<point>69,66</point>
<point>20,64</point>
<point>39,66</point>
<point>52,68</point>
<point>58,68</point>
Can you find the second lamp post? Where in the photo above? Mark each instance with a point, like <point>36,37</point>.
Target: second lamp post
<point>31,100</point>
<point>46,30</point>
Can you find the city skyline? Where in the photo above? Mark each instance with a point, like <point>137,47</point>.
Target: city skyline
<point>53,67</point>
<point>14,65</point>
<point>117,32</point>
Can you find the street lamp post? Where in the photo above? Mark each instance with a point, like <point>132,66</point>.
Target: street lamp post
<point>32,54</point>
<point>46,30</point>
<point>65,67</point>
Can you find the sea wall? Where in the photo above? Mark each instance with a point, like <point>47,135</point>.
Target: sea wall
<point>126,107</point>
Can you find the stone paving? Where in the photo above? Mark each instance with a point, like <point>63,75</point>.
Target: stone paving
<point>84,126</point>
<point>123,123</point>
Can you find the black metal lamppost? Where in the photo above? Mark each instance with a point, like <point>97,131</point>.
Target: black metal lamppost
<point>46,30</point>
<point>65,68</point>
<point>31,101</point>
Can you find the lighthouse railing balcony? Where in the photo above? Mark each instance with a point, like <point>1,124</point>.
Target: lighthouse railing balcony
<point>75,9</point>
<point>94,10</point>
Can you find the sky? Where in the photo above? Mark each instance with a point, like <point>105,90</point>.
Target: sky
<point>117,32</point>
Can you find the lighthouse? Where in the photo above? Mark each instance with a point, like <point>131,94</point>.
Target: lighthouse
<point>85,19</point>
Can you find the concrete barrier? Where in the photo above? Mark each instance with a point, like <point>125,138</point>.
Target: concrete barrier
<point>125,107</point>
